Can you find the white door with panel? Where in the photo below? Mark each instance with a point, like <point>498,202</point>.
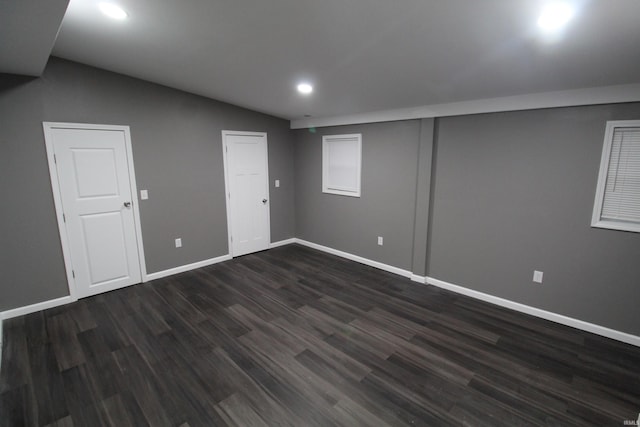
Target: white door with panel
<point>93,170</point>
<point>247,178</point>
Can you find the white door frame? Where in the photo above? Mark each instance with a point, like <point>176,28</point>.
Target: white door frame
<point>57,197</point>
<point>225,134</point>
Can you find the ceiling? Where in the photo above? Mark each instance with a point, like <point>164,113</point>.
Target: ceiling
<point>28,29</point>
<point>360,55</point>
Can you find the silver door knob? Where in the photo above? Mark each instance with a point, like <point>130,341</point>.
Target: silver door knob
<point>264,201</point>
<point>127,204</point>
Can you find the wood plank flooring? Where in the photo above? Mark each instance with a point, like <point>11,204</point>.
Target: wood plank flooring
<point>296,337</point>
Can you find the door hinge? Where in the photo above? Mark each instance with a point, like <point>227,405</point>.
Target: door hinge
<point>226,147</point>
<point>231,239</point>
<point>73,273</point>
<point>55,160</point>
<point>64,218</point>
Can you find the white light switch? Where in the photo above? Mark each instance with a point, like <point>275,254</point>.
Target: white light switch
<point>380,240</point>
<point>537,276</point>
<point>178,242</point>
<point>277,183</point>
<point>144,194</point>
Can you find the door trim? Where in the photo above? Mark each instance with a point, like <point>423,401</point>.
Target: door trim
<point>225,134</point>
<point>57,198</point>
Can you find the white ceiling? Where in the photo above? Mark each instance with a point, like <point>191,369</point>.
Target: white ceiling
<point>361,55</point>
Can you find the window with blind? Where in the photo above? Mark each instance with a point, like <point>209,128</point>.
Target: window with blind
<point>341,163</point>
<point>617,204</point>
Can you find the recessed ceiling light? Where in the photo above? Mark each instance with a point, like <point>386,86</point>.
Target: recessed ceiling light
<point>305,88</point>
<point>554,16</point>
<point>112,11</point>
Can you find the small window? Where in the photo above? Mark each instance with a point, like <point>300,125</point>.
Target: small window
<point>617,204</point>
<point>341,162</point>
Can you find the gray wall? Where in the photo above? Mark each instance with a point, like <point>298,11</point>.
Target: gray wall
<point>388,193</point>
<point>509,193</point>
<point>479,201</point>
<point>423,197</point>
<point>514,192</point>
<point>177,151</point>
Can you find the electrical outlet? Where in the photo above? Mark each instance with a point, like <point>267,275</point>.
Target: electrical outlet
<point>380,240</point>
<point>178,242</point>
<point>537,276</point>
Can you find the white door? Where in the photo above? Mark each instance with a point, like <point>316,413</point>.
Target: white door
<point>92,167</point>
<point>247,179</point>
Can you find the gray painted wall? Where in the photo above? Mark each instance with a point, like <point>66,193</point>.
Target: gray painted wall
<point>388,198</point>
<point>177,151</point>
<point>423,197</point>
<point>509,193</point>
<point>514,192</point>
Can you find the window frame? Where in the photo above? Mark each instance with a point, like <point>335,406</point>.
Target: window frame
<point>326,140</point>
<point>596,219</point>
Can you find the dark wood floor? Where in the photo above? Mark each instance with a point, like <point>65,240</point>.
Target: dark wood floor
<point>296,337</point>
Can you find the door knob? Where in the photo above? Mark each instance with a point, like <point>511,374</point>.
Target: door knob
<point>264,201</point>
<point>127,204</point>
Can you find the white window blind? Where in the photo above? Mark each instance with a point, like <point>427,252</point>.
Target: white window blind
<point>341,163</point>
<point>618,196</point>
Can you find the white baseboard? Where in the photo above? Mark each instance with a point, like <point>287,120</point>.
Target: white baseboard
<point>187,267</point>
<point>417,278</point>
<point>282,243</point>
<point>554,317</point>
<point>68,299</point>
<point>28,309</point>
<point>356,258</point>
<point>537,312</point>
